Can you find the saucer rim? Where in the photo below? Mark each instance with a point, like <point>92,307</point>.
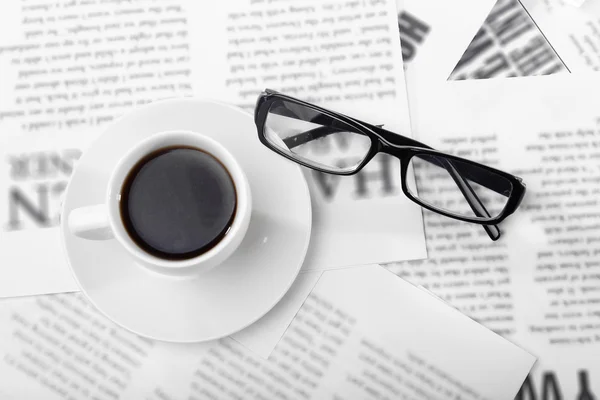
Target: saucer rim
<point>84,292</point>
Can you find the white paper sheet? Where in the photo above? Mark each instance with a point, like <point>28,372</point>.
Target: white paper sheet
<point>538,285</point>
<point>392,328</point>
<point>55,83</point>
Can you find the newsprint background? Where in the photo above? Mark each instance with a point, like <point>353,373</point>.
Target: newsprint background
<point>509,44</point>
<point>477,276</point>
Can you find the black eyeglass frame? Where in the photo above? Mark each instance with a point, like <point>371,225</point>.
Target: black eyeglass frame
<point>401,147</point>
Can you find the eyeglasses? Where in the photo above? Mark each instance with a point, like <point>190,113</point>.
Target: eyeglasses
<point>333,143</point>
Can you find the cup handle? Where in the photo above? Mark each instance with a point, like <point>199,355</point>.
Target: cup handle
<point>90,223</point>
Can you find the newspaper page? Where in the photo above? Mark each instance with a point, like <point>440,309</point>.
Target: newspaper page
<point>352,216</point>
<point>572,28</point>
<point>70,67</point>
<point>337,347</point>
<point>60,347</point>
<point>462,264</point>
<point>539,283</point>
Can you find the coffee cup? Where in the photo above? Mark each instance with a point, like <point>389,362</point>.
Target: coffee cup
<point>178,202</point>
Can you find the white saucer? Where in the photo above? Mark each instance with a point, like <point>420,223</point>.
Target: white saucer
<point>234,294</point>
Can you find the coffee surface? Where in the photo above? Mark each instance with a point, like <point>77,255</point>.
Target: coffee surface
<point>178,202</point>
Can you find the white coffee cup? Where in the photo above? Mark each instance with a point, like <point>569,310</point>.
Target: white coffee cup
<point>104,222</point>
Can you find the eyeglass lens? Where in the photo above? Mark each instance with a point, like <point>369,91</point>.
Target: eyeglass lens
<point>441,183</point>
<point>315,138</point>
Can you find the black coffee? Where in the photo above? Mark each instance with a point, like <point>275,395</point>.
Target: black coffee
<point>178,202</point>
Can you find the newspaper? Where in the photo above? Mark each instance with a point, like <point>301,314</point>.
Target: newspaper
<point>539,284</point>
<point>337,347</point>
<point>69,68</point>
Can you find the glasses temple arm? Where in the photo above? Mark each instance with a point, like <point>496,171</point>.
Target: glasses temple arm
<point>466,170</point>
<point>457,173</point>
<point>499,187</point>
<point>475,203</point>
<point>310,135</point>
<point>473,174</point>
